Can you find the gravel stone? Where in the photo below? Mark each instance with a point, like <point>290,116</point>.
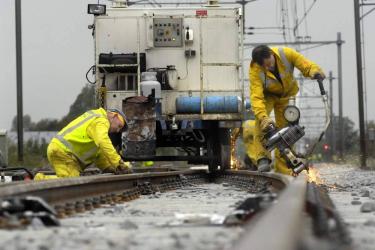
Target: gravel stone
<point>127,224</point>
<point>365,193</point>
<point>368,207</point>
<point>370,223</point>
<point>356,202</point>
<point>108,212</point>
<point>346,182</point>
<point>140,224</point>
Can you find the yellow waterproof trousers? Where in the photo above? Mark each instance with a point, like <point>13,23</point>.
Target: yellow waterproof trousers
<point>277,105</point>
<point>248,136</point>
<point>66,164</point>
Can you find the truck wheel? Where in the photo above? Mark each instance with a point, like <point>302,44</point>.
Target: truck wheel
<point>218,148</point>
<point>224,148</point>
<point>213,162</point>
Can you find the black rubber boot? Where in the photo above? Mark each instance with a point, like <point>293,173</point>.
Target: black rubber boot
<point>264,165</point>
<point>249,164</point>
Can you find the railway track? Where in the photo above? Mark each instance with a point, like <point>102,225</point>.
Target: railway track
<point>246,207</point>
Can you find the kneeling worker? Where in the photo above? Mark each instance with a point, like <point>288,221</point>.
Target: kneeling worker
<point>271,85</point>
<point>84,141</point>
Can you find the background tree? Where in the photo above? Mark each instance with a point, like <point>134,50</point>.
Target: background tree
<point>371,139</point>
<point>35,151</point>
<point>350,139</point>
<point>83,102</point>
<point>27,123</point>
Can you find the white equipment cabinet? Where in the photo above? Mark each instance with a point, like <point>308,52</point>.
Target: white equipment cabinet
<point>197,54</point>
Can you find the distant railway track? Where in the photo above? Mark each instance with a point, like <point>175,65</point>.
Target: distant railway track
<point>298,205</point>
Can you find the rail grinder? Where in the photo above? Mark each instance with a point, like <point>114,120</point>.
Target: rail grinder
<point>285,138</point>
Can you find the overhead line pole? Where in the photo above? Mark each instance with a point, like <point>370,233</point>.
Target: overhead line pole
<point>19,79</point>
<point>339,78</point>
<point>362,132</point>
<point>332,125</point>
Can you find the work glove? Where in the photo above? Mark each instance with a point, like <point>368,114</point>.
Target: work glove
<point>123,168</point>
<point>266,124</point>
<point>319,76</point>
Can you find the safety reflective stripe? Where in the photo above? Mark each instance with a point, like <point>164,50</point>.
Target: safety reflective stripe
<point>263,78</point>
<point>88,154</point>
<point>67,144</point>
<point>92,115</point>
<point>266,81</point>
<point>84,157</point>
<point>285,61</point>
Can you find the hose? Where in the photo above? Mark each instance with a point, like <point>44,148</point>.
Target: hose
<point>328,121</point>
<point>202,139</point>
<point>87,74</point>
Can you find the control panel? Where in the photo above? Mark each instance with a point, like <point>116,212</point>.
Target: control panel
<point>168,32</point>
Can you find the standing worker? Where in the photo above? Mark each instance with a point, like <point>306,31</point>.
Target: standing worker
<point>84,141</point>
<point>271,85</point>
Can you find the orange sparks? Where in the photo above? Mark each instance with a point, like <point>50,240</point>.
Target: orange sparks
<point>234,163</point>
<point>314,176</point>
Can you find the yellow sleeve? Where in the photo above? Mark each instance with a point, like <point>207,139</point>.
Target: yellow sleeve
<point>308,68</point>
<point>256,94</point>
<point>98,131</point>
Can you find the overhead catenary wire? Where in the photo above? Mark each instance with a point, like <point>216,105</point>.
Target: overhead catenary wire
<point>304,9</point>
<point>312,47</point>
<point>268,27</point>
<point>367,13</point>
<point>178,3</point>
<point>298,22</point>
<point>263,33</point>
<point>285,20</point>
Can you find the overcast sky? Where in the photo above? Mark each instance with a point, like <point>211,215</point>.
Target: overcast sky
<point>58,50</point>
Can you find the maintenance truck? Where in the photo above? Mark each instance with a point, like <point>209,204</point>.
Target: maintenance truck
<point>176,73</point>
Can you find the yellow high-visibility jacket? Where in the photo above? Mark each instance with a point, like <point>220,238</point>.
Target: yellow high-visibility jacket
<point>86,136</point>
<point>263,83</point>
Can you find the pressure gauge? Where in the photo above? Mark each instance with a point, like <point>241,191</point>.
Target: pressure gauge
<point>292,114</point>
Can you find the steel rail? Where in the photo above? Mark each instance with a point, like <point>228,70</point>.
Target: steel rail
<point>72,189</point>
<point>279,227</point>
<point>278,181</point>
<point>282,220</point>
<point>75,189</point>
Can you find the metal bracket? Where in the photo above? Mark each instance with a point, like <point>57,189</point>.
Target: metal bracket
<point>248,208</point>
<point>19,212</point>
<point>17,173</point>
<point>230,124</point>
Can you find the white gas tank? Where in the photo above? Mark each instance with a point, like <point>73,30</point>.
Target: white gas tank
<point>150,82</point>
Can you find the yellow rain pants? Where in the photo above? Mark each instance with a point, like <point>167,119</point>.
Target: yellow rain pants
<point>248,136</point>
<point>63,162</point>
<point>277,105</point>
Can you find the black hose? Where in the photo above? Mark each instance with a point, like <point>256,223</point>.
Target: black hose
<point>87,74</point>
<point>202,139</point>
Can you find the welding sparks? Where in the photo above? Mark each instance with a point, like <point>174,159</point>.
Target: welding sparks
<point>234,163</point>
<point>314,176</point>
